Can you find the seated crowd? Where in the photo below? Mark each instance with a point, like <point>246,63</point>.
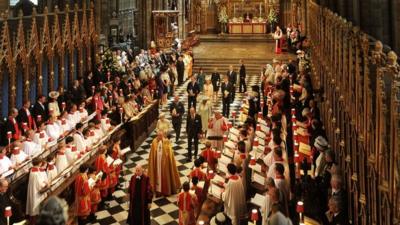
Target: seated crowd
<point>50,136</point>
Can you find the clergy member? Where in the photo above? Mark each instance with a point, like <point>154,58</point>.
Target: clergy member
<point>187,203</point>
<point>163,172</point>
<point>61,158</point>
<point>140,195</point>
<point>234,197</point>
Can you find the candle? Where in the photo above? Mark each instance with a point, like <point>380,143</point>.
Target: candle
<point>300,207</point>
<point>201,222</point>
<point>253,161</point>
<point>9,134</point>
<point>260,9</point>
<point>258,127</point>
<point>7,212</point>
<point>225,138</point>
<point>210,174</point>
<point>254,215</point>
<point>255,142</point>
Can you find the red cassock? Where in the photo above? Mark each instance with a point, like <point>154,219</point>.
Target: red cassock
<point>16,133</point>
<point>98,106</point>
<point>82,195</point>
<point>209,156</point>
<point>113,179</point>
<point>95,197</point>
<point>187,204</point>
<point>115,155</point>
<point>140,195</point>
<point>101,165</point>
<point>198,173</point>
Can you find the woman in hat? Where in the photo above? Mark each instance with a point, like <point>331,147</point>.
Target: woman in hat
<point>205,112</point>
<point>208,89</point>
<point>163,124</point>
<point>54,110</point>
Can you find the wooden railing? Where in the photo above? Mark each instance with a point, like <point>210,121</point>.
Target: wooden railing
<point>360,90</point>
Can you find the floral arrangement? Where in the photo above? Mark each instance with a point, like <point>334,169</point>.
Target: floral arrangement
<point>110,63</point>
<point>223,16</point>
<point>272,17</point>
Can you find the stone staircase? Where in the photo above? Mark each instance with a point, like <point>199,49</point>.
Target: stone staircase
<point>253,66</point>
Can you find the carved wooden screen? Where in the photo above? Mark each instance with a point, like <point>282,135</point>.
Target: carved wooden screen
<point>360,109</point>
<point>42,47</point>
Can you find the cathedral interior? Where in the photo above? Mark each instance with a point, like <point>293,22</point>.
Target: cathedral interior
<point>200,112</point>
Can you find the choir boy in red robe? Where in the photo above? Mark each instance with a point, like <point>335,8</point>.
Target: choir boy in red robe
<point>82,195</point>
<point>196,172</point>
<point>187,204</point>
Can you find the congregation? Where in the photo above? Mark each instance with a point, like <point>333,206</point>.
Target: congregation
<point>263,158</point>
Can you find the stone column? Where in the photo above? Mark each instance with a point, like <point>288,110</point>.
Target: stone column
<point>395,18</point>
<point>181,19</point>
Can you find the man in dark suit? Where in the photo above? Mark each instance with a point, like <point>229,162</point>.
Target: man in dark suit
<point>177,110</point>
<point>25,116</point>
<point>242,77</point>
<point>40,109</point>
<point>193,130</point>
<point>226,89</point>
<point>232,75</point>
<point>193,90</point>
<point>98,75</point>
<point>335,215</point>
<point>180,68</point>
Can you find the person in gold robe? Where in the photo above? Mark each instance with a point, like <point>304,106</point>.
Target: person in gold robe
<point>162,170</point>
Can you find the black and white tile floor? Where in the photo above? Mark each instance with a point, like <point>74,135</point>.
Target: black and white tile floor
<point>164,210</point>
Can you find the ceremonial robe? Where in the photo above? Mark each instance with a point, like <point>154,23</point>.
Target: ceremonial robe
<point>36,182</point>
<point>163,173</point>
<point>140,194</point>
<point>82,195</point>
<point>234,199</point>
<point>187,204</point>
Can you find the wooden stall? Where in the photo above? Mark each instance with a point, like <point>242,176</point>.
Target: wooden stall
<point>165,27</point>
<point>360,88</point>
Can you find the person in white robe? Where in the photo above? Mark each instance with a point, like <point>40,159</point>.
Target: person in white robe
<point>18,156</point>
<point>29,146</point>
<point>74,116</point>
<point>83,113</point>
<point>98,132</point>
<point>277,160</point>
<point>37,181</point>
<point>277,217</point>
<point>79,139</point>
<point>217,127</point>
<point>52,129</point>
<point>5,162</point>
<point>51,168</point>
<point>64,123</point>
<point>41,136</point>
<point>61,158</point>
<point>234,197</point>
<point>70,150</point>
<point>105,122</point>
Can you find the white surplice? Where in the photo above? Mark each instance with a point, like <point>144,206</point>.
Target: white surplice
<point>53,131</point>
<point>36,182</point>
<point>18,158</point>
<point>41,141</point>
<point>61,162</point>
<point>159,160</point>
<point>31,148</point>
<point>79,142</point>
<point>234,200</point>
<point>5,164</point>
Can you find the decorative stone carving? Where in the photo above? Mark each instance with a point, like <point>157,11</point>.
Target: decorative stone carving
<point>378,57</point>
<point>393,65</point>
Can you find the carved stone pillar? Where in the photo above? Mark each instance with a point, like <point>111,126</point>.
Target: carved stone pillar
<point>181,19</point>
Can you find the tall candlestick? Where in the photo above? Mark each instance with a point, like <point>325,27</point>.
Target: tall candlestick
<point>260,9</point>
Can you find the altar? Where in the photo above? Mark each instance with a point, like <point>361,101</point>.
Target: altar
<point>247,28</point>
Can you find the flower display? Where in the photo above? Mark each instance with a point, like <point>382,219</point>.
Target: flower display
<point>272,17</point>
<point>223,16</point>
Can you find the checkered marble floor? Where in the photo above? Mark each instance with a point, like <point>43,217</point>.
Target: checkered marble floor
<point>164,210</point>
